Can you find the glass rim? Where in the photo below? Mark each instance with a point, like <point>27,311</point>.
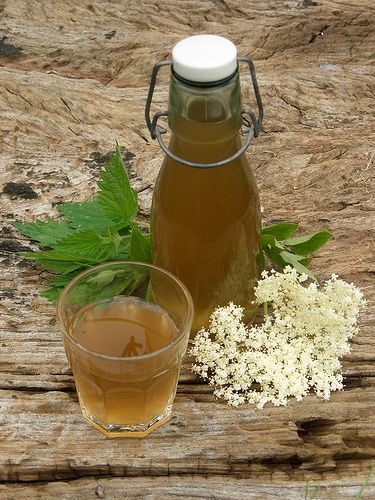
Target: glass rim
<point>177,340</point>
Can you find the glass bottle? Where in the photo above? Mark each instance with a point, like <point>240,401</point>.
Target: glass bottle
<point>205,221</point>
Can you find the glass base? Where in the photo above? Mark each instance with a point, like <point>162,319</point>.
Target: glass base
<point>121,430</point>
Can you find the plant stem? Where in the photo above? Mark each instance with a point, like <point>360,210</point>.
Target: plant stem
<point>265,308</point>
<point>366,482</point>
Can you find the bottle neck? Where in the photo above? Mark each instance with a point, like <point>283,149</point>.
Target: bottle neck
<point>205,116</point>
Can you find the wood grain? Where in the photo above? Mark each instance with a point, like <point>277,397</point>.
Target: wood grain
<point>187,487</point>
<point>45,438</point>
<point>73,79</point>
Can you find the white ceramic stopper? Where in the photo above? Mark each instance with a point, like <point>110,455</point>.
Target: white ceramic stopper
<point>204,58</point>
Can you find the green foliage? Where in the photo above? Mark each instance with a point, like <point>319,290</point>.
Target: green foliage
<point>309,495</point>
<point>124,247</point>
<point>55,255</point>
<point>45,233</point>
<point>104,229</point>
<point>295,261</point>
<point>306,245</point>
<point>281,231</point>
<point>280,249</point>
<point>366,481</point>
<point>311,490</point>
<point>116,196</point>
<point>140,246</point>
<point>86,215</point>
<point>99,230</point>
<point>92,245</point>
<point>59,265</point>
<point>52,294</point>
<point>105,284</point>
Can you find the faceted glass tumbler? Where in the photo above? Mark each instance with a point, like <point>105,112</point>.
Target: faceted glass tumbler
<point>126,396</point>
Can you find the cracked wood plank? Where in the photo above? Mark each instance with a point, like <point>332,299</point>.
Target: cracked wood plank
<point>72,81</point>
<point>172,486</point>
<point>45,438</point>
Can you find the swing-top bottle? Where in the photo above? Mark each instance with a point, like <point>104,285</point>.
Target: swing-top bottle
<point>205,222</point>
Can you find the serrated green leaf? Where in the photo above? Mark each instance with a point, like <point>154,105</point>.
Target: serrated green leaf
<point>281,231</point>
<point>88,215</point>
<point>116,196</point>
<point>93,231</point>
<point>125,231</point>
<point>295,261</point>
<point>58,262</point>
<point>56,255</point>
<point>62,280</point>
<point>306,245</point>
<point>140,245</point>
<point>60,266</point>
<point>103,278</point>
<point>124,248</point>
<point>106,283</point>
<point>138,286</point>
<point>46,233</point>
<point>52,294</point>
<point>89,244</point>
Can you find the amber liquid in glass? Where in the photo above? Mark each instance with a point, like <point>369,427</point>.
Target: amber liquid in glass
<point>206,221</point>
<point>125,327</point>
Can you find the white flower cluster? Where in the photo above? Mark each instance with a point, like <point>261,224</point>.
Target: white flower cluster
<point>296,349</point>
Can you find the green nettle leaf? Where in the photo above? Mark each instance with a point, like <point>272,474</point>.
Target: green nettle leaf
<point>281,231</point>
<point>124,248</point>
<point>60,266</point>
<point>87,215</point>
<point>56,255</point>
<point>51,294</point>
<point>62,280</point>
<point>104,278</point>
<point>89,244</point>
<point>140,246</point>
<point>104,229</point>
<point>116,196</point>
<point>306,245</point>
<point>138,285</point>
<point>94,231</point>
<point>46,233</point>
<point>105,284</point>
<point>59,262</point>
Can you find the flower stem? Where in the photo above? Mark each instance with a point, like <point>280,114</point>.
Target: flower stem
<point>265,308</point>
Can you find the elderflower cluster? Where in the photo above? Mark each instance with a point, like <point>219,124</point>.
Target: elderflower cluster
<point>296,349</point>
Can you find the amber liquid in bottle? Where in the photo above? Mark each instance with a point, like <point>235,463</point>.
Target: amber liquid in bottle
<point>206,221</point>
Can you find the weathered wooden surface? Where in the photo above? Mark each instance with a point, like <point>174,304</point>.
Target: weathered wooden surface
<point>73,79</point>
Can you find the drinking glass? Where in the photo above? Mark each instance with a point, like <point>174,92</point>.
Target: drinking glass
<point>130,394</point>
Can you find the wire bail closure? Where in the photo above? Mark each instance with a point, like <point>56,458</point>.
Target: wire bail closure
<point>250,131</point>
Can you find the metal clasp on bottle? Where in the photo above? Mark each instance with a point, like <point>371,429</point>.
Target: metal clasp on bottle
<point>251,131</point>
